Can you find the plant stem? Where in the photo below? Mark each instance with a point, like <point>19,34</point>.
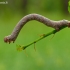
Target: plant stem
<point>44,36</point>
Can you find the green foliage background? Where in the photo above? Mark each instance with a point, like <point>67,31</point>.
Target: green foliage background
<point>50,54</point>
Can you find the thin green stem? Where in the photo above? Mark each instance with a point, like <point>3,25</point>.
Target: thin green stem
<point>44,36</point>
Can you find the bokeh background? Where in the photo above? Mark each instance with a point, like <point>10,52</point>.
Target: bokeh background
<point>50,54</point>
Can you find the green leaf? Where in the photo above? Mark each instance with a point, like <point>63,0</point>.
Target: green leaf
<point>69,6</point>
<point>69,3</point>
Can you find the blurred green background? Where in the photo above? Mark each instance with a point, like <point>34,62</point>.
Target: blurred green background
<point>50,54</point>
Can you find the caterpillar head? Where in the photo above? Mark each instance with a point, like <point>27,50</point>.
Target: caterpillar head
<point>8,39</point>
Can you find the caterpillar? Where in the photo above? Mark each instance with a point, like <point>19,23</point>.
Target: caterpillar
<point>50,23</point>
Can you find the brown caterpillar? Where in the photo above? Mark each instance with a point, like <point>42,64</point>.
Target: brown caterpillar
<point>54,24</point>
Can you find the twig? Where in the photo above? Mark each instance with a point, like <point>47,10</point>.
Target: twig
<point>45,35</point>
<point>57,25</point>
